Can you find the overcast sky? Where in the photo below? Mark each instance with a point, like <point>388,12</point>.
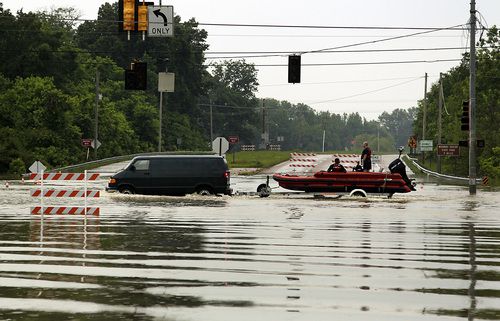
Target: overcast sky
<point>368,89</point>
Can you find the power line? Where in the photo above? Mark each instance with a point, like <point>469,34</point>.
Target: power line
<point>365,93</point>
<point>361,63</point>
<point>380,40</point>
<point>46,15</point>
<point>267,54</point>
<point>343,81</point>
<point>327,27</point>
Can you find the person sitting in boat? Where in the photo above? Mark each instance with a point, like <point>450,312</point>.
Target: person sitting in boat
<point>357,168</point>
<point>366,157</point>
<point>337,167</point>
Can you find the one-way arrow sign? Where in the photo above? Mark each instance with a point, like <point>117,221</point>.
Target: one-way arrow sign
<point>160,20</point>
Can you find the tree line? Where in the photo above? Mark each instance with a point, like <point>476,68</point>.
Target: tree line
<point>455,84</point>
<point>48,95</point>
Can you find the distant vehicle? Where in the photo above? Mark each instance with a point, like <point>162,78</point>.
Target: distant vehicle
<point>173,175</point>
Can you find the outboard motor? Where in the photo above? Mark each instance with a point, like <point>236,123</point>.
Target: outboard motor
<point>397,166</point>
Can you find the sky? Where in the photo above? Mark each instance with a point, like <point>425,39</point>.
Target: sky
<point>338,82</point>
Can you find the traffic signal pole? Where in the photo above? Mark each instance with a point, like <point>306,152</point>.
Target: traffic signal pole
<point>472,101</point>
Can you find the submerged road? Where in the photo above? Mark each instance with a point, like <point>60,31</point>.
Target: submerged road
<point>426,255</point>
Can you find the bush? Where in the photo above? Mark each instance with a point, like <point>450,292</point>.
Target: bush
<point>17,167</point>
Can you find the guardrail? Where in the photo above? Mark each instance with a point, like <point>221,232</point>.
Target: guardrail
<point>444,176</point>
<point>104,161</point>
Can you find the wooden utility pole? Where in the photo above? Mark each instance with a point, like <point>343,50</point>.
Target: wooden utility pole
<point>424,117</point>
<point>96,112</point>
<point>472,101</point>
<point>440,108</point>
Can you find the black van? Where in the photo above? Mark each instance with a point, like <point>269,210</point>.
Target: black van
<point>173,175</point>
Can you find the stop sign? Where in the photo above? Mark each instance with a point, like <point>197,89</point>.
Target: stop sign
<point>220,145</point>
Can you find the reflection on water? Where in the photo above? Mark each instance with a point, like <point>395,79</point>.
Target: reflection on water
<point>425,256</point>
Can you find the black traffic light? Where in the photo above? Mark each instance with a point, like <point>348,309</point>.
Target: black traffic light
<point>136,78</point>
<point>464,120</point>
<point>294,69</point>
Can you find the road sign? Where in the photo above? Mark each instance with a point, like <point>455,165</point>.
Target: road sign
<point>86,142</point>
<point>166,82</point>
<point>220,145</point>
<point>94,145</point>
<point>425,145</point>
<point>37,167</point>
<point>233,139</point>
<point>161,21</point>
<point>448,150</point>
<point>412,142</point>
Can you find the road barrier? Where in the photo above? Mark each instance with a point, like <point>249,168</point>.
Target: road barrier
<point>248,147</point>
<point>63,210</point>
<point>63,193</point>
<point>293,155</point>
<point>302,165</point>
<point>64,176</point>
<point>72,193</point>
<point>302,160</point>
<point>274,147</point>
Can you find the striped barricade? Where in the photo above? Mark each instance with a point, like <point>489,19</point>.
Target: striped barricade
<point>41,193</point>
<point>248,147</point>
<point>294,155</point>
<point>275,147</point>
<point>65,193</point>
<point>63,176</point>
<point>312,160</point>
<point>64,210</point>
<point>302,165</point>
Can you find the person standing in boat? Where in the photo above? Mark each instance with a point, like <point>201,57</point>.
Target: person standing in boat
<point>337,167</point>
<point>366,157</point>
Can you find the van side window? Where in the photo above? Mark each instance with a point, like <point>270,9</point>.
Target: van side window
<point>142,165</point>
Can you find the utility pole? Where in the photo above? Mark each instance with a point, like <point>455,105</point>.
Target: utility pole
<point>211,124</point>
<point>160,116</point>
<point>265,133</point>
<point>424,117</point>
<point>440,108</point>
<point>324,134</point>
<point>378,138</point>
<point>472,101</point>
<point>96,112</point>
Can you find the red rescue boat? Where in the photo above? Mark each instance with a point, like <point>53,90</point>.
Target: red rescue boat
<point>368,182</point>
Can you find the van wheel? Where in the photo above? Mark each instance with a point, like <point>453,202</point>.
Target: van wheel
<point>204,191</point>
<point>126,190</point>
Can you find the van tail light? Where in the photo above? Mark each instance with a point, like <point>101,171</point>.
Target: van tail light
<point>227,174</point>
<point>112,181</point>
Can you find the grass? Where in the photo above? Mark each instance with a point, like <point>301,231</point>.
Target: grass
<point>256,159</point>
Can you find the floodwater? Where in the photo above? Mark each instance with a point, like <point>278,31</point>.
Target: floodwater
<point>429,255</point>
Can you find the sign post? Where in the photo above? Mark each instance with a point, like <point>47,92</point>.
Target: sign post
<point>233,140</point>
<point>220,145</point>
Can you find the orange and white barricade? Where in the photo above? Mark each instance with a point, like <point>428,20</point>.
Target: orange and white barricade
<point>42,193</point>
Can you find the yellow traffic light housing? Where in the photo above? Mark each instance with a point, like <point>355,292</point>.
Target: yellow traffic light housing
<point>142,16</point>
<point>128,15</point>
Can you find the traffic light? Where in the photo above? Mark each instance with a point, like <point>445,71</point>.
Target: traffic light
<point>128,15</point>
<point>294,69</point>
<point>130,79</point>
<point>141,69</point>
<point>136,78</point>
<point>142,24</point>
<point>465,116</point>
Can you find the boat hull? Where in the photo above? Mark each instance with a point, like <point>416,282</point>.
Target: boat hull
<point>370,182</point>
